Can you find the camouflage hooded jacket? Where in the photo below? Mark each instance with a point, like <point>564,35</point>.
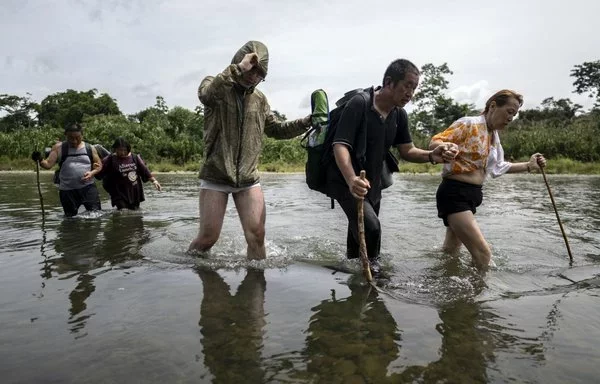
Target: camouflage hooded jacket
<point>234,121</point>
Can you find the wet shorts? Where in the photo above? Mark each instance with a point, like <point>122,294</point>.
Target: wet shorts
<point>456,196</point>
<point>205,184</point>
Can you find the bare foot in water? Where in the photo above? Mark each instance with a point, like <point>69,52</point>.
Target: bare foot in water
<point>196,248</point>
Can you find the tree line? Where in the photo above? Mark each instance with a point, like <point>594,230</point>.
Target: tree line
<point>557,128</point>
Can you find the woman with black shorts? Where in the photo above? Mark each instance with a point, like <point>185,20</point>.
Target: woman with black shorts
<point>479,154</point>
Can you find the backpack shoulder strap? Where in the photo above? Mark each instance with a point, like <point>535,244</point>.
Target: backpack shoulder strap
<point>361,148</point>
<point>140,166</point>
<point>64,150</point>
<point>137,161</point>
<point>90,153</point>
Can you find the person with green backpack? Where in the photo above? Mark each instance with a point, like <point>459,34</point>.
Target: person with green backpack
<point>370,124</point>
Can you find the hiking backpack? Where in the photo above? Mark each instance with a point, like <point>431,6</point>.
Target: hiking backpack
<point>318,139</point>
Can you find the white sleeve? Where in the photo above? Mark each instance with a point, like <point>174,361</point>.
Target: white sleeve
<point>496,165</point>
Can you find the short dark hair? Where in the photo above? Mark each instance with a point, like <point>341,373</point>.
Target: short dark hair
<point>120,142</point>
<point>501,98</point>
<point>397,70</point>
<point>73,127</point>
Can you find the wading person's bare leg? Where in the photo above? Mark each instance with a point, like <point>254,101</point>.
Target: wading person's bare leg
<point>452,243</point>
<point>250,205</point>
<point>466,229</point>
<point>212,212</point>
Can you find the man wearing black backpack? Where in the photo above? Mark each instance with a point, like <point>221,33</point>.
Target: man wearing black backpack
<point>386,125</point>
<point>79,163</point>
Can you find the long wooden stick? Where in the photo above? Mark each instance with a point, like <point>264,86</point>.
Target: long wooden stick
<point>37,171</point>
<point>557,217</point>
<point>364,260</point>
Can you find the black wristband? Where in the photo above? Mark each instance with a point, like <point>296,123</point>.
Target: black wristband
<point>430,155</point>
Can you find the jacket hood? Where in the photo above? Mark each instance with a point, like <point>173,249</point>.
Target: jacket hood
<point>257,47</point>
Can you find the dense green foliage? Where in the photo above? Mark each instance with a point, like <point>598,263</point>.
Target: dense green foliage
<point>158,133</point>
<point>557,128</point>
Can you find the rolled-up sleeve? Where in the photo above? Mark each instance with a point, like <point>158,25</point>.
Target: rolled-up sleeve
<point>496,165</point>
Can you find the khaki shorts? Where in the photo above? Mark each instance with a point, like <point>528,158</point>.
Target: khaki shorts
<point>205,184</point>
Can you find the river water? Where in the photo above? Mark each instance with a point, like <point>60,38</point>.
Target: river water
<point>113,297</point>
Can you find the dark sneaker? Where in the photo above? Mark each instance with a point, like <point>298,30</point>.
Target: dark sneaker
<point>375,267</point>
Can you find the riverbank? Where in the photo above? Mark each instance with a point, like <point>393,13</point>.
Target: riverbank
<point>555,166</point>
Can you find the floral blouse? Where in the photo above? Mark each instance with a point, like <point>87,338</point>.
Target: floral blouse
<point>475,147</point>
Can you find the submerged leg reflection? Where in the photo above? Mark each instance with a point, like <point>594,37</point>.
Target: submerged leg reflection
<point>232,326</point>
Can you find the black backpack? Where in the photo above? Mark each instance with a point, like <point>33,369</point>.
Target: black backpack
<point>320,155</point>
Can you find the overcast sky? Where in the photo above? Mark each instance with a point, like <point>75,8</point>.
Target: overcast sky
<point>135,50</point>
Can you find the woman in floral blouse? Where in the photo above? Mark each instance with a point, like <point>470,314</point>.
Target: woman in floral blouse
<point>479,154</point>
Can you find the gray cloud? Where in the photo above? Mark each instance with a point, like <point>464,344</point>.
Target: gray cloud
<point>44,65</point>
<point>146,90</point>
<point>193,77</point>
<point>135,49</point>
<point>305,102</point>
<point>125,11</point>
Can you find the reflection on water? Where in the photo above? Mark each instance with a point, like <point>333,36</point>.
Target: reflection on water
<point>74,247</point>
<point>113,297</point>
<point>464,343</point>
<point>232,326</point>
<point>351,339</point>
<point>85,247</point>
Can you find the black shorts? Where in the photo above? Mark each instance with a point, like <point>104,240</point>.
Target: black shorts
<point>72,199</point>
<point>456,196</point>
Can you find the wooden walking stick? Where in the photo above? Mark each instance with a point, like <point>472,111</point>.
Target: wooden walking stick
<point>557,217</point>
<point>364,260</point>
<point>37,171</point>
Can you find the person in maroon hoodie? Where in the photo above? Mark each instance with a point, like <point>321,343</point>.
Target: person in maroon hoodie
<point>123,174</point>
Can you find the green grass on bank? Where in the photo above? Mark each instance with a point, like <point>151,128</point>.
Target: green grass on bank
<point>555,166</point>
<point>7,164</point>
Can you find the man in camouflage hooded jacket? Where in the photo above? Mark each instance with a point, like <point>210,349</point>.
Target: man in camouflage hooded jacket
<point>236,115</point>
